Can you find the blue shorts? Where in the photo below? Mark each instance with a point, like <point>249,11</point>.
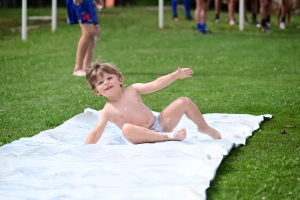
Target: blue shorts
<point>156,126</point>
<point>85,13</point>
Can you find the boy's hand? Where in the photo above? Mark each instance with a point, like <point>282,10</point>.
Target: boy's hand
<point>184,72</point>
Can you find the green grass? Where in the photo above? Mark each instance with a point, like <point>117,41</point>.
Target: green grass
<point>234,72</point>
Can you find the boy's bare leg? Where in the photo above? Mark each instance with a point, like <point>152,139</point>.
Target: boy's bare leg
<point>138,135</point>
<point>87,37</point>
<point>171,115</point>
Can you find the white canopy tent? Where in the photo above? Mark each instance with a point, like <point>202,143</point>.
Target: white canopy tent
<point>161,14</point>
<point>24,17</point>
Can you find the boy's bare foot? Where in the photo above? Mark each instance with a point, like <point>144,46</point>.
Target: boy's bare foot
<point>79,73</point>
<point>177,135</point>
<point>211,132</point>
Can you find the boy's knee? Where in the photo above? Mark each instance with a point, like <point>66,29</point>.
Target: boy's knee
<point>184,100</point>
<point>127,130</point>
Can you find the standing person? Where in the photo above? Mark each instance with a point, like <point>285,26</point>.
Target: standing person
<point>187,7</point>
<point>231,10</point>
<point>265,8</point>
<point>201,12</point>
<point>84,13</point>
<point>284,10</point>
<point>125,108</point>
<point>254,10</point>
<point>217,8</point>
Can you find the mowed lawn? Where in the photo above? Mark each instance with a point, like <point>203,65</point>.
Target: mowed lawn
<point>234,72</point>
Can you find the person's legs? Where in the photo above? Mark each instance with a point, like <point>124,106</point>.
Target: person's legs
<point>231,6</point>
<point>201,15</point>
<point>278,12</point>
<point>174,10</point>
<point>264,9</point>
<point>91,49</point>
<point>86,41</point>
<point>205,10</point>
<point>289,11</point>
<point>269,11</point>
<point>254,11</point>
<point>187,7</point>
<point>217,11</point>
<point>138,135</point>
<point>197,14</point>
<point>171,115</point>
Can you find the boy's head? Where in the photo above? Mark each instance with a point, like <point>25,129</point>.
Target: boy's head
<point>97,69</point>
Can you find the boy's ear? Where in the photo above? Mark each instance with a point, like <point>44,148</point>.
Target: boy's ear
<point>121,79</point>
<point>96,92</point>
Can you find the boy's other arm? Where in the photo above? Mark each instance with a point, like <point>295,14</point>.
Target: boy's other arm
<point>96,133</point>
<point>163,81</point>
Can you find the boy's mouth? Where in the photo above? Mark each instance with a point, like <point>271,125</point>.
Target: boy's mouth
<point>107,88</point>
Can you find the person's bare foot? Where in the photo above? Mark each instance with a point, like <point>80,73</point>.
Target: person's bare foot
<point>79,73</point>
<point>211,132</point>
<point>177,135</point>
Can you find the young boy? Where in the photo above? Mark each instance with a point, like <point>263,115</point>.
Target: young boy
<point>125,108</point>
<point>84,13</point>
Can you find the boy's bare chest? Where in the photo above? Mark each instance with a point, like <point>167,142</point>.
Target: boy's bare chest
<point>133,112</point>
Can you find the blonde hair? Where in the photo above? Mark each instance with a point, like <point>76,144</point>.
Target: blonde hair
<point>96,70</point>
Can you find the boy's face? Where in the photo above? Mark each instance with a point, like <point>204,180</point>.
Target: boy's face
<point>108,85</point>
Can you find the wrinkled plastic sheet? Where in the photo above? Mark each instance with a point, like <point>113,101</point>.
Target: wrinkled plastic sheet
<point>55,164</point>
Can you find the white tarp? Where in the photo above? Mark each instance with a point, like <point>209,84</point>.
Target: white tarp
<point>55,164</point>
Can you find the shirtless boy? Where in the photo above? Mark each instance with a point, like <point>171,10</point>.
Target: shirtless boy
<point>125,108</point>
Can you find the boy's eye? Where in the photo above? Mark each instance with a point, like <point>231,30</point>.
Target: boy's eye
<point>109,78</point>
<point>101,82</point>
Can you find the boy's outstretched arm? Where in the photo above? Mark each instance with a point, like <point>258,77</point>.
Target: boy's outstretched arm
<point>96,133</point>
<point>163,81</point>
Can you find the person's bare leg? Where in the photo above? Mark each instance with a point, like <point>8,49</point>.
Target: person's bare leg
<point>254,6</point>
<point>205,8</point>
<point>197,12</point>
<point>91,49</point>
<point>87,34</point>
<point>217,10</point>
<point>263,11</point>
<point>202,11</point>
<point>283,9</point>
<point>171,115</point>
<point>138,135</point>
<point>278,12</point>
<point>231,4</point>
